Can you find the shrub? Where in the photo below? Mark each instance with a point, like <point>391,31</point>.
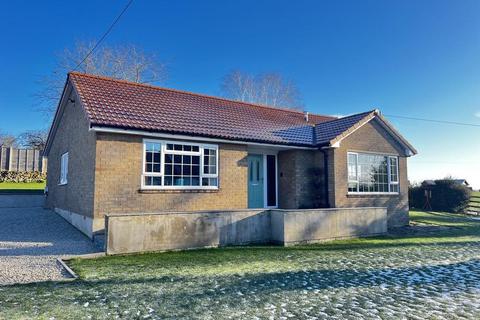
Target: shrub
<point>449,196</point>
<point>22,176</point>
<point>446,196</point>
<point>416,197</point>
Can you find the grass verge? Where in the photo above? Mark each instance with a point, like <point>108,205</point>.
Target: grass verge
<point>22,187</point>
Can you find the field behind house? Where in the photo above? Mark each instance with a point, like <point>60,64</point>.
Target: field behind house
<point>474,204</point>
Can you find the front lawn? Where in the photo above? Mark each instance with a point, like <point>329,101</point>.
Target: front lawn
<point>22,187</point>
<point>429,272</point>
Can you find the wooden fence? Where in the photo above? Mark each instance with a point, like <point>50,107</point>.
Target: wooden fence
<point>12,159</point>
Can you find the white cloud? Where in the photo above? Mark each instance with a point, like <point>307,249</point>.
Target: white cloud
<point>477,114</point>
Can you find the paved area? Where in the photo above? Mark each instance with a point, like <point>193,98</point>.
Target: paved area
<point>31,238</point>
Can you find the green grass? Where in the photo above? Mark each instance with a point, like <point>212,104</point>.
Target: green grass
<point>22,187</point>
<point>216,283</point>
<point>239,260</point>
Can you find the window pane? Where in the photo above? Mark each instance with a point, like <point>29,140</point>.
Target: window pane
<point>210,161</point>
<point>186,170</point>
<point>149,157</point>
<point>152,157</point>
<point>352,187</point>
<point>394,188</point>
<point>153,181</point>
<point>209,182</point>
<point>370,171</point>
<point>352,167</point>
<point>393,169</point>
<point>195,181</point>
<point>177,169</point>
<point>195,170</point>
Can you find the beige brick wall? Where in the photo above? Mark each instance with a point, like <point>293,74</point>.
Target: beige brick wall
<point>118,178</point>
<point>301,182</point>
<point>370,138</point>
<point>72,136</point>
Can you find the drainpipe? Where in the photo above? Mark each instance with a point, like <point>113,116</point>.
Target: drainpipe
<point>325,165</point>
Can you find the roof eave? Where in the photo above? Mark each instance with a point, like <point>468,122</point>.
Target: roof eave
<point>56,117</point>
<point>191,136</point>
<point>375,114</point>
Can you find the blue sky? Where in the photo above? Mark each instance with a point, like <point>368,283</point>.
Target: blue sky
<point>412,58</point>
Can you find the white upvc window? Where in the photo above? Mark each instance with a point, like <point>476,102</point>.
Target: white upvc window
<point>370,173</point>
<point>64,169</point>
<point>179,165</point>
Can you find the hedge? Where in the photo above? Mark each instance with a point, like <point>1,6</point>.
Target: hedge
<point>447,196</point>
<point>22,176</point>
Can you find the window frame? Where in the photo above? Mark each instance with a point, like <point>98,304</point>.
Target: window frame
<point>63,179</point>
<point>164,151</point>
<point>390,182</point>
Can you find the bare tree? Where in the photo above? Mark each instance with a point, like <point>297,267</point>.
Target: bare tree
<point>126,62</point>
<point>34,139</point>
<point>7,140</point>
<point>266,88</point>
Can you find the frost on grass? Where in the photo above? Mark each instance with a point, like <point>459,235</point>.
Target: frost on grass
<point>415,282</point>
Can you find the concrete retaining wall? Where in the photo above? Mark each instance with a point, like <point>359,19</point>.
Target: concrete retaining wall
<point>309,226</point>
<point>129,233</point>
<point>170,231</point>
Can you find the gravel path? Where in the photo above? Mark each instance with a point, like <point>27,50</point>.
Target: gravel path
<point>30,241</point>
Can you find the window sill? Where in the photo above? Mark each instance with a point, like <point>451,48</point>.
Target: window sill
<point>154,191</point>
<point>372,194</point>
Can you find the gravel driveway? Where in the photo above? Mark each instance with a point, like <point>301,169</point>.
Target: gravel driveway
<point>30,241</point>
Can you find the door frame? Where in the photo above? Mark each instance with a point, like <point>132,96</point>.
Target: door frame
<point>264,154</point>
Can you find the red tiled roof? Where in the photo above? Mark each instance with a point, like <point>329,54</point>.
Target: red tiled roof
<point>122,104</point>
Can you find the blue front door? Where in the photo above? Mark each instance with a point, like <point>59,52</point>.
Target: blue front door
<point>255,181</point>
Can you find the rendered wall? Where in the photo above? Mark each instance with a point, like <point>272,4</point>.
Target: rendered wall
<point>170,231</point>
<point>129,233</point>
<point>309,226</point>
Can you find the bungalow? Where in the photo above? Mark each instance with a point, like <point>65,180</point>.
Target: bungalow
<point>117,147</point>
